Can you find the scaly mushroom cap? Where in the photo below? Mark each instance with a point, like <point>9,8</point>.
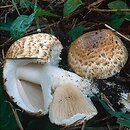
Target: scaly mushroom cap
<point>38,46</point>
<point>70,106</point>
<point>98,54</point>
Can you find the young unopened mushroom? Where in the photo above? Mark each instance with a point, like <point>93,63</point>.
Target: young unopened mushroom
<point>97,54</point>
<point>69,105</point>
<point>31,73</point>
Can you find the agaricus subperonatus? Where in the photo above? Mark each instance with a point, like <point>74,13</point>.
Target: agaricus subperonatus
<point>97,54</point>
<point>32,76</point>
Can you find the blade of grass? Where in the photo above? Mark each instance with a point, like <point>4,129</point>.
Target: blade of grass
<point>16,116</point>
<point>35,6</point>
<point>15,6</point>
<point>124,122</point>
<point>114,113</point>
<point>37,24</point>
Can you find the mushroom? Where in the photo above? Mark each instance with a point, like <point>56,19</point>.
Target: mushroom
<point>97,54</point>
<point>69,106</point>
<point>32,74</point>
<point>38,48</point>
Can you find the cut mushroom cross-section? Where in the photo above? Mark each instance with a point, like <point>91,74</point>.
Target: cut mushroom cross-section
<point>50,77</point>
<point>31,84</point>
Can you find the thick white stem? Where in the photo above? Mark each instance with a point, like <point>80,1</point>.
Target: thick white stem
<point>52,76</point>
<point>29,73</point>
<point>36,73</point>
<point>59,76</point>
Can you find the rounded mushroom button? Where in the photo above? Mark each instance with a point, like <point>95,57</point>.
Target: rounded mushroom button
<point>97,54</point>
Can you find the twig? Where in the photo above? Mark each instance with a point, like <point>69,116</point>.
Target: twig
<point>3,54</point>
<point>108,125</point>
<point>57,22</point>
<point>16,116</point>
<point>94,5</point>
<point>83,126</point>
<point>1,61</point>
<point>6,42</point>
<point>43,27</point>
<point>117,32</point>
<point>109,10</point>
<point>107,101</point>
<point>6,6</point>
<point>2,57</point>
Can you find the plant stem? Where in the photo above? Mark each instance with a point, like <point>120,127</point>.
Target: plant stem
<point>109,10</point>
<point>15,6</point>
<point>6,6</point>
<point>117,32</point>
<point>16,116</point>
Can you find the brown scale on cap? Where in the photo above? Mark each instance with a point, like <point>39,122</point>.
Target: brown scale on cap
<point>37,46</point>
<point>97,54</point>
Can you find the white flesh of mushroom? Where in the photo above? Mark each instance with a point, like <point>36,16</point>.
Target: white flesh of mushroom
<point>23,92</point>
<point>50,77</point>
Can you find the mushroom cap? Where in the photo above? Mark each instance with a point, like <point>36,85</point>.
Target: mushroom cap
<point>69,106</point>
<point>36,46</point>
<point>97,54</point>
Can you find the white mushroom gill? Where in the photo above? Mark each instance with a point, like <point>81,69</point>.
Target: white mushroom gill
<point>69,105</point>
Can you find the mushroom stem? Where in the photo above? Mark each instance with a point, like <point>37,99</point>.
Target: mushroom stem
<point>29,73</point>
<point>37,73</point>
<point>34,73</point>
